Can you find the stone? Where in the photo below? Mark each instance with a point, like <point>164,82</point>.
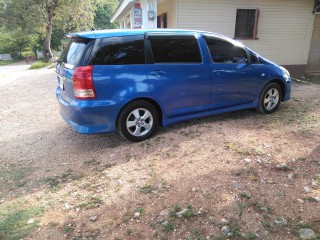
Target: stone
<point>93,218</point>
<point>266,145</point>
<point>236,185</point>
<point>300,201</point>
<point>290,176</point>
<point>31,221</point>
<point>247,160</point>
<point>211,219</point>
<point>223,221</point>
<point>283,167</point>
<point>306,234</point>
<point>225,230</point>
<point>194,189</point>
<point>280,221</point>
<point>182,212</point>
<point>164,212</point>
<point>307,189</point>
<point>136,215</point>
<point>314,183</point>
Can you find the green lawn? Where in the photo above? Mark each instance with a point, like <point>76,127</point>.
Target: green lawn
<point>2,62</point>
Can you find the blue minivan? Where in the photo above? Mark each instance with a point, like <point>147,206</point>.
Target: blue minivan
<point>132,81</point>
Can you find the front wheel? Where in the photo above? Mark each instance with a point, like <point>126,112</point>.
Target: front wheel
<point>270,98</point>
<point>138,121</point>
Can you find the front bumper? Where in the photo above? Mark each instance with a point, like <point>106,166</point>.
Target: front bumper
<point>287,91</point>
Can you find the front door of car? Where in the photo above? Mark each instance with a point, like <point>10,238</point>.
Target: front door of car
<point>235,81</point>
<point>177,77</point>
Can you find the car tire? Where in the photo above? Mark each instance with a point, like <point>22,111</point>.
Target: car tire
<point>138,121</point>
<point>270,98</point>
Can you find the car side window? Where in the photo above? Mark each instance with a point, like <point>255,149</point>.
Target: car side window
<point>225,52</point>
<point>175,50</point>
<point>120,50</point>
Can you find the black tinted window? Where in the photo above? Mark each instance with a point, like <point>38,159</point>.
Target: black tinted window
<point>179,50</point>
<point>120,50</point>
<point>225,52</point>
<point>74,52</point>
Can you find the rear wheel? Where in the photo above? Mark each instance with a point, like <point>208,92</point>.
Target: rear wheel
<point>270,98</point>
<point>138,121</point>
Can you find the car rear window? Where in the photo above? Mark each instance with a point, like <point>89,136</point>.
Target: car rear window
<point>72,55</point>
<point>175,50</point>
<point>120,50</point>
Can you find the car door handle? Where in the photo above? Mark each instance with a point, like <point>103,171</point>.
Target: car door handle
<point>157,73</point>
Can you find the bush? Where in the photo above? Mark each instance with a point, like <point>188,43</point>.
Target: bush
<point>40,64</point>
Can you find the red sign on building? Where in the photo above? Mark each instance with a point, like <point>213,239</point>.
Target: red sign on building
<point>137,16</point>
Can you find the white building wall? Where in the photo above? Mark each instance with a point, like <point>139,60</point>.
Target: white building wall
<point>169,7</point>
<point>146,5</point>
<point>284,30</point>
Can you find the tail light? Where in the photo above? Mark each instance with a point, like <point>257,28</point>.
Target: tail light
<point>83,84</point>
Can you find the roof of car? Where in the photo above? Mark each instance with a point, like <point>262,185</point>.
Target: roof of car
<point>129,32</point>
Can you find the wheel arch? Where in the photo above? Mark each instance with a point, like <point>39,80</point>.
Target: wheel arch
<point>146,99</point>
<point>279,82</point>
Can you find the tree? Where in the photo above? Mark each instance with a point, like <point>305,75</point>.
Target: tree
<point>49,20</point>
<point>40,16</point>
<point>103,14</point>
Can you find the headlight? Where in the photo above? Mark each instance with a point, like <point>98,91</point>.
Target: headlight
<point>286,73</point>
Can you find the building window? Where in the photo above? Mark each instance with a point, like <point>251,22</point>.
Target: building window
<point>316,6</point>
<point>162,21</point>
<point>246,24</point>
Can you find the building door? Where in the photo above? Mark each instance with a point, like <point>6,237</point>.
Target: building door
<point>314,55</point>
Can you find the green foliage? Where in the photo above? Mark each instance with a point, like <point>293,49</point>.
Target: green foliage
<point>28,24</point>
<point>16,41</point>
<point>104,13</point>
<point>168,227</point>
<point>15,220</point>
<point>40,64</point>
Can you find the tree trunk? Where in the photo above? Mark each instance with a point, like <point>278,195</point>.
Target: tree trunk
<point>47,54</point>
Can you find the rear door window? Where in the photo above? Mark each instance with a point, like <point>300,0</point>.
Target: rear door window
<point>175,49</point>
<point>225,52</point>
<point>120,50</point>
<point>74,52</point>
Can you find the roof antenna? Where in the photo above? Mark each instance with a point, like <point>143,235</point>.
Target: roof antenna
<point>92,28</point>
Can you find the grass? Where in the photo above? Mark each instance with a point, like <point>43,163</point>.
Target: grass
<point>68,176</point>
<point>196,235</point>
<point>168,227</point>
<point>245,195</point>
<point>90,203</point>
<point>146,189</point>
<point>139,210</point>
<point>14,219</point>
<point>14,177</point>
<point>40,64</point>
<point>3,63</point>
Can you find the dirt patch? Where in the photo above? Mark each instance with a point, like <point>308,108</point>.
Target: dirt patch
<point>239,175</point>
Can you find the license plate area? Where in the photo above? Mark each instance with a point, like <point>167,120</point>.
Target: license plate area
<point>61,83</point>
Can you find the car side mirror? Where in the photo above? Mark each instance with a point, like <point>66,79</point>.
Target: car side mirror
<point>254,59</point>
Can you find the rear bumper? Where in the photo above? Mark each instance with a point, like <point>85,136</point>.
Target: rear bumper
<point>90,116</point>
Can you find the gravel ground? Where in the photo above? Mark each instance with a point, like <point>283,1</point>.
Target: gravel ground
<point>242,175</point>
